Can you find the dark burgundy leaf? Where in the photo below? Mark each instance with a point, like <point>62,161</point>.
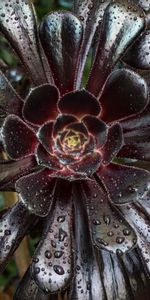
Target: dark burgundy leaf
<point>46,159</point>
<point>127,92</point>
<point>97,128</point>
<point>113,144</point>
<point>137,136</point>
<point>109,229</point>
<point>137,144</point>
<point>69,175</point>
<point>113,275</point>
<point>14,225</point>
<point>87,165</point>
<point>144,203</point>
<point>144,4</point>
<point>87,282</point>
<point>91,14</point>
<point>61,122</point>
<point>138,55</point>
<point>36,192</point>
<point>136,272</point>
<point>79,104</point>
<point>10,102</point>
<point>65,159</point>
<point>10,171</point>
<point>121,24</point>
<point>42,100</point>
<point>18,24</point>
<point>18,139</point>
<point>89,145</point>
<point>53,262</point>
<point>82,8</point>
<point>28,290</point>
<point>78,127</point>
<point>140,223</point>
<point>45,136</point>
<point>138,121</point>
<point>124,184</point>
<point>61,37</point>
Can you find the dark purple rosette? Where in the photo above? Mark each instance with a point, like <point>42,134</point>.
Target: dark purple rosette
<point>67,148</point>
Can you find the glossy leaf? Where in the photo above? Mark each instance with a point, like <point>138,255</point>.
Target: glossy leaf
<point>91,14</point>
<point>140,222</point>
<point>122,23</point>
<point>139,121</point>
<point>97,128</point>
<point>61,37</point>
<point>46,159</point>
<point>10,171</point>
<point>16,136</point>
<point>113,144</point>
<point>138,56</point>
<point>137,136</point>
<point>79,104</point>
<point>52,263</point>
<point>137,144</point>
<point>18,24</point>
<point>113,276</point>
<point>28,290</point>
<point>42,100</point>
<point>78,127</point>
<point>14,225</point>
<point>87,280</point>
<point>36,192</point>
<point>136,273</point>
<point>125,93</point>
<point>110,230</point>
<point>87,165</point>
<point>44,135</point>
<point>61,122</point>
<point>124,184</point>
<point>144,4</point>
<point>10,101</point>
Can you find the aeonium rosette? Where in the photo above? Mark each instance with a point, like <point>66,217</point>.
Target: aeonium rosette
<point>66,134</point>
<point>60,136</point>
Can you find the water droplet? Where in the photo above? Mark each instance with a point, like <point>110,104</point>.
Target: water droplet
<point>126,231</point>
<point>61,219</point>
<point>96,222</point>
<point>106,219</point>
<point>120,240</point>
<point>110,233</point>
<point>58,254</point>
<point>102,242</point>
<point>62,235</point>
<point>48,254</point>
<point>37,270</point>
<point>58,269</point>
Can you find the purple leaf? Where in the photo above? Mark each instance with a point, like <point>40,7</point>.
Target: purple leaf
<point>18,138</point>
<point>61,37</point>
<point>125,94</point>
<point>122,23</point>
<point>36,192</point>
<point>53,262</point>
<point>14,225</point>
<point>18,24</point>
<point>124,184</point>
<point>79,104</point>
<point>10,171</point>
<point>113,144</point>
<point>110,231</point>
<point>42,100</point>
